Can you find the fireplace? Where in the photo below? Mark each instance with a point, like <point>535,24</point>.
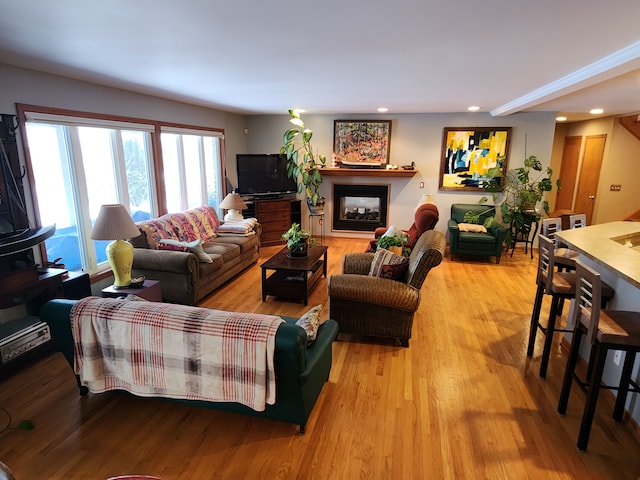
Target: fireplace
<point>361,208</point>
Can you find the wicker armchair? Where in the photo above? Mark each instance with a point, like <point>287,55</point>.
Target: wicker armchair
<point>380,307</point>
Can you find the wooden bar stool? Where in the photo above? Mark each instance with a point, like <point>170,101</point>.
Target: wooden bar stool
<point>605,330</point>
<point>565,258</point>
<point>578,220</point>
<point>561,285</point>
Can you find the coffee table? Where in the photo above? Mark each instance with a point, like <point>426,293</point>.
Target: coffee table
<point>293,277</point>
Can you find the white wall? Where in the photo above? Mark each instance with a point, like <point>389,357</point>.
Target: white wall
<point>414,138</point>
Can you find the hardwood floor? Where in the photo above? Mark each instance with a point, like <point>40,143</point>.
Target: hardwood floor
<point>463,402</point>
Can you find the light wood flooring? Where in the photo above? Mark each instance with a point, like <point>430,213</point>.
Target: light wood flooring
<point>463,402</point>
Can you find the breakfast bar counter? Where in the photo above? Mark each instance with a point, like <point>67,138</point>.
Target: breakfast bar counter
<point>613,250</point>
<point>614,246</point>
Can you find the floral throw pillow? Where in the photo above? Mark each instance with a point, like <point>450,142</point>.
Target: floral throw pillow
<point>387,264</point>
<point>310,322</point>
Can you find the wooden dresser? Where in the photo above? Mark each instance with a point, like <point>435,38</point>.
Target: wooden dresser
<point>276,216</point>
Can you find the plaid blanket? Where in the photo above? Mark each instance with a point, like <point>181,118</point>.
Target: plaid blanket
<point>175,351</point>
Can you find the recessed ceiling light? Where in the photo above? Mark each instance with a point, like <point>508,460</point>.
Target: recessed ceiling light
<point>561,119</point>
<point>383,109</point>
<point>596,111</point>
<point>473,108</point>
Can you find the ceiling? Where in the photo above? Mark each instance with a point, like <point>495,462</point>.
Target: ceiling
<point>332,56</point>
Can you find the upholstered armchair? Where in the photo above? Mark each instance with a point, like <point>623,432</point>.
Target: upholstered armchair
<point>425,218</point>
<point>462,242</point>
<point>381,307</point>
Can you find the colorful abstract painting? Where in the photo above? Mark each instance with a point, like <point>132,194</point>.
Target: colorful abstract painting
<point>361,143</point>
<point>469,153</point>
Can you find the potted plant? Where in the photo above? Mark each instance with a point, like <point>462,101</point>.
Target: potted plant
<point>298,240</point>
<point>303,165</point>
<point>394,243</point>
<point>522,195</point>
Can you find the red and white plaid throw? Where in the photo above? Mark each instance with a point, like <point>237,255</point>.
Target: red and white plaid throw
<point>175,351</point>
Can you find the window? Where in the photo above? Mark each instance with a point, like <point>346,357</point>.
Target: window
<point>192,168</point>
<point>79,166</point>
<point>81,162</point>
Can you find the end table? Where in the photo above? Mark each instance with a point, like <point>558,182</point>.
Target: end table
<point>150,290</point>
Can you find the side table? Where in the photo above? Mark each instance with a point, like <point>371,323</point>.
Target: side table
<point>150,290</point>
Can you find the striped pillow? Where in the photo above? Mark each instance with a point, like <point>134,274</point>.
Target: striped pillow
<point>387,264</point>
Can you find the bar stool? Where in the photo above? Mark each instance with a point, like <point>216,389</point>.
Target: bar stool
<point>561,285</point>
<point>565,258</point>
<point>605,330</point>
<point>578,220</point>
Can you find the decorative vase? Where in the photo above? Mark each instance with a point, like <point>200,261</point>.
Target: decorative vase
<point>318,208</point>
<point>300,250</point>
<point>396,250</point>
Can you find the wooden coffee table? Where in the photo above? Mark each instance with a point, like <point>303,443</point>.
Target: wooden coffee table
<point>293,277</point>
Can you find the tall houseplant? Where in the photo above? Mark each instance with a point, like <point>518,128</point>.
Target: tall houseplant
<point>303,165</point>
<point>522,194</point>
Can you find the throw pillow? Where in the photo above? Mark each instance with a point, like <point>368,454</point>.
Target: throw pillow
<point>174,248</point>
<point>310,322</point>
<point>387,264</point>
<point>194,247</point>
<point>472,227</point>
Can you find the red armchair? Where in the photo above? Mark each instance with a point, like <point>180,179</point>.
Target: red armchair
<point>425,218</point>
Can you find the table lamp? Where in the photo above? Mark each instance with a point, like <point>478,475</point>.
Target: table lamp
<point>234,204</point>
<point>115,223</point>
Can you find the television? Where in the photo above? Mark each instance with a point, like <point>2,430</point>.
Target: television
<point>263,174</point>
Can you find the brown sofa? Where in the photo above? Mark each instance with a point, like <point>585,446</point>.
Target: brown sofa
<point>170,249</point>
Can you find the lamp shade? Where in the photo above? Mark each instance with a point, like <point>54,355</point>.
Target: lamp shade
<point>114,223</point>
<point>233,201</point>
<point>234,204</point>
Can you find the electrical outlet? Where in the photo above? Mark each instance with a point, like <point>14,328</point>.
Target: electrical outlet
<point>617,356</point>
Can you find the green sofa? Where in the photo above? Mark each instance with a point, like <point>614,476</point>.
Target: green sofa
<point>300,370</point>
<point>487,244</point>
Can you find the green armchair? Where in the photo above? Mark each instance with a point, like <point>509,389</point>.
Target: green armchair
<point>487,244</point>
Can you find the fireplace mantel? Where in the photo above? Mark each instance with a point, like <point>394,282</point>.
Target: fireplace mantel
<point>367,172</point>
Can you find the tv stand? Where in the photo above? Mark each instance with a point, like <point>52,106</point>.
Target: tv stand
<point>275,215</point>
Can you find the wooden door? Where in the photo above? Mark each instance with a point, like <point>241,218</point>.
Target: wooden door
<point>589,175</point>
<point>568,173</point>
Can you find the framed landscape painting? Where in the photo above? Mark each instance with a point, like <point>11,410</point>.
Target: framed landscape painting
<point>469,153</point>
<point>362,143</point>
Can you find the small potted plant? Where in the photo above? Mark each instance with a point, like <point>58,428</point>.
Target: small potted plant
<point>303,165</point>
<point>298,240</point>
<point>394,243</point>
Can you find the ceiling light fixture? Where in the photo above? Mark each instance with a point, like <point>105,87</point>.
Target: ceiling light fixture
<point>473,108</point>
<point>561,119</point>
<point>383,109</point>
<point>596,111</point>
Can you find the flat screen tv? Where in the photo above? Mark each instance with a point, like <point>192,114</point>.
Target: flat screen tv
<point>263,174</point>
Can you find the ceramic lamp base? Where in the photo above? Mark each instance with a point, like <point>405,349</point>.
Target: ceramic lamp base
<point>120,256</point>
<point>233,215</point>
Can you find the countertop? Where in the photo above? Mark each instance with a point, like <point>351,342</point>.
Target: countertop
<point>596,242</point>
